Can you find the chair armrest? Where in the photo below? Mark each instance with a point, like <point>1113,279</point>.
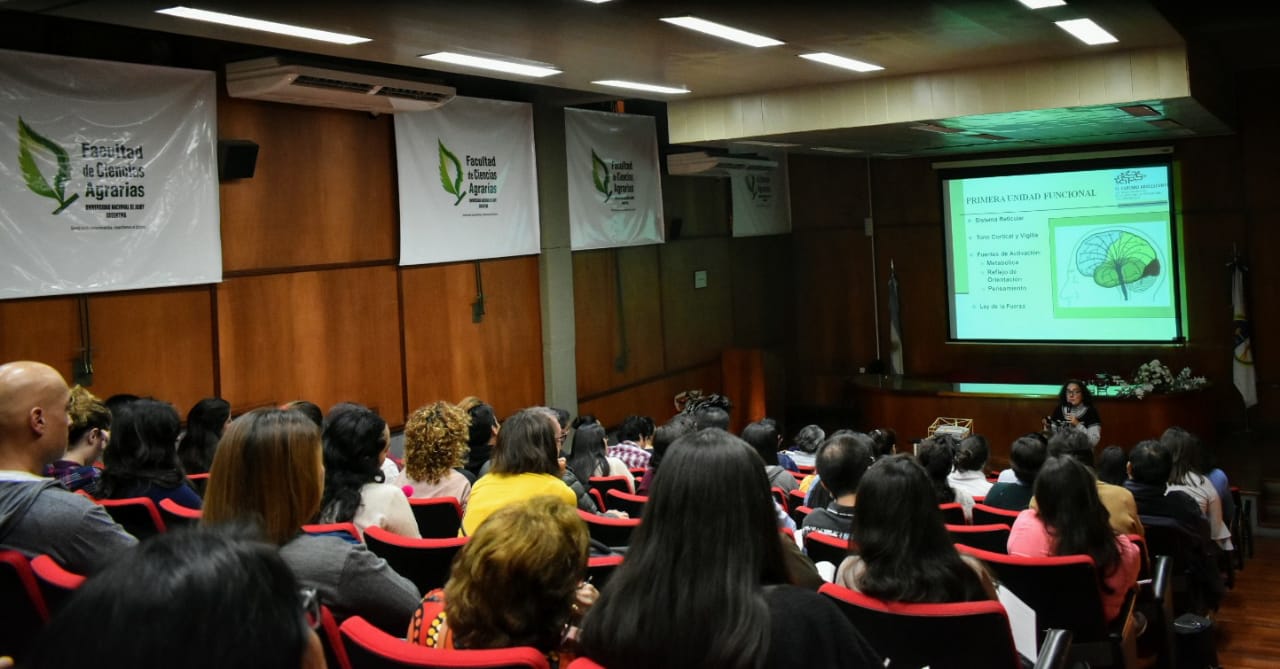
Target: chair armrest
<point>1162,578</point>
<point>1054,649</point>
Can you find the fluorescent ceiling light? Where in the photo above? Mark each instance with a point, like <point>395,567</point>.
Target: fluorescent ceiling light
<point>1087,31</point>
<point>1041,4</point>
<point>835,149</point>
<point>265,26</point>
<point>760,142</point>
<point>841,61</point>
<point>635,85</point>
<point>491,64</point>
<point>597,2</point>
<point>721,31</point>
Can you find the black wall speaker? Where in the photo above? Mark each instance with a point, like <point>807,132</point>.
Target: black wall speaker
<point>236,159</point>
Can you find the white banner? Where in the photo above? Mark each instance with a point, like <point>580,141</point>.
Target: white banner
<point>468,182</point>
<point>615,189</point>
<point>761,205</point>
<point>108,176</point>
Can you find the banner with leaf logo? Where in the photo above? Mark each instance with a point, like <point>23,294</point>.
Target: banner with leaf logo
<point>761,205</point>
<point>615,188</point>
<point>108,176</point>
<point>468,182</point>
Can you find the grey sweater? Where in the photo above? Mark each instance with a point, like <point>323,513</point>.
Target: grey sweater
<point>39,516</point>
<point>353,581</point>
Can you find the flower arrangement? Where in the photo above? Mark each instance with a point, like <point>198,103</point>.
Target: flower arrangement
<point>1155,378</point>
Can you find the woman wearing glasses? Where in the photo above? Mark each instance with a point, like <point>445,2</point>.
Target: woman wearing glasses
<point>1076,412</point>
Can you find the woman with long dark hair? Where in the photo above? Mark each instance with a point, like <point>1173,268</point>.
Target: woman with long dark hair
<point>1188,478</point>
<point>937,455</point>
<point>356,441</point>
<point>1075,411</point>
<point>206,422</point>
<point>589,457</point>
<point>1071,520</point>
<point>694,593</point>
<point>142,458</point>
<point>902,550</point>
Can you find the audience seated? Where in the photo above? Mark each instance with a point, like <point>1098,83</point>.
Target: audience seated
<point>589,457</point>
<point>268,470</point>
<point>709,411</point>
<point>1026,457</point>
<point>526,463</point>
<point>937,455</point>
<point>1187,477</point>
<point>1112,463</point>
<point>38,516</point>
<point>841,462</point>
<point>1121,509</point>
<point>886,441</point>
<point>206,422</point>
<point>764,437</point>
<point>517,582</point>
<point>968,473</point>
<point>435,442</point>
<point>804,449</point>
<point>90,431</point>
<point>1071,520</point>
<point>142,458</point>
<point>195,599</point>
<point>901,550</point>
<point>1209,467</point>
<point>714,594</point>
<point>663,437</point>
<point>356,441</point>
<point>635,439</point>
<point>481,435</point>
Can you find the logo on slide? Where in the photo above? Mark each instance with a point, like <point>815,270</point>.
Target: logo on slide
<point>451,179</point>
<point>600,176</point>
<point>31,143</point>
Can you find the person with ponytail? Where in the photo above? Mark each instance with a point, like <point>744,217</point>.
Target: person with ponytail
<point>356,441</point>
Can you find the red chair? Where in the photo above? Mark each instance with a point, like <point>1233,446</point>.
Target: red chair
<point>993,515</point>
<point>176,515</point>
<point>612,532</point>
<point>199,482</point>
<point>603,483</point>
<point>368,647</point>
<point>346,531</point>
<point>138,515</point>
<point>438,517</point>
<point>955,635</point>
<point>953,513</point>
<point>779,496</point>
<point>598,499</point>
<point>25,612</point>
<point>798,514</point>
<point>600,569</point>
<point>621,501</point>
<point>56,583</point>
<point>335,653</point>
<point>822,547</point>
<point>799,476</point>
<point>806,469</point>
<point>585,663</point>
<point>426,562</point>
<point>638,473</point>
<point>796,498</point>
<point>994,538</point>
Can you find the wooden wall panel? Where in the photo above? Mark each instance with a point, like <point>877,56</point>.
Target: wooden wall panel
<point>324,191</point>
<point>449,357</point>
<point>827,192</point>
<point>157,343</point>
<point>326,336</point>
<point>697,323</point>
<point>701,204</point>
<point>762,290</point>
<point>653,398</point>
<point>45,329</point>
<point>601,338</point>
<point>833,301</point>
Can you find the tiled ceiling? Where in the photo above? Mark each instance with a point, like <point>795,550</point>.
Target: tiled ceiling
<point>624,39</point>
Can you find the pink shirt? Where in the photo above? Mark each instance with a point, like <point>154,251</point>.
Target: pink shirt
<point>1030,538</point>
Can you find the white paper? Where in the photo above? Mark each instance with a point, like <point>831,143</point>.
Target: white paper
<point>1022,622</point>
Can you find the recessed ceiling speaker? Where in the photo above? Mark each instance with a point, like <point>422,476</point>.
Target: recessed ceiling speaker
<point>237,159</point>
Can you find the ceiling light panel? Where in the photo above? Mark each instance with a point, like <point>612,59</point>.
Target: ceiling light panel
<point>637,86</point>
<point>722,31</point>
<point>841,62</point>
<point>1087,31</point>
<point>493,64</point>
<point>261,25</point>
<point>1041,4</point>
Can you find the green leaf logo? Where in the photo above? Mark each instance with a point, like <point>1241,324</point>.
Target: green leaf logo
<point>452,185</point>
<point>751,185</point>
<point>29,141</point>
<point>600,175</point>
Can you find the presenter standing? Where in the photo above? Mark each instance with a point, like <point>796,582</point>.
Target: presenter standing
<point>1076,412</point>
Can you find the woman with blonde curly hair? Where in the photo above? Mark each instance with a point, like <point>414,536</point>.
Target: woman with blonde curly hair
<point>517,582</point>
<point>435,441</point>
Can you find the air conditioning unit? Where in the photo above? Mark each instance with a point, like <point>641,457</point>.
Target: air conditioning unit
<point>276,80</point>
<point>700,163</point>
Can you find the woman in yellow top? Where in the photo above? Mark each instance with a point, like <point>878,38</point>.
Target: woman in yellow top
<point>526,463</point>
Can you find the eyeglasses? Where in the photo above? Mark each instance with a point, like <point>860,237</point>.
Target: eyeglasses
<point>310,601</point>
<point>1077,391</point>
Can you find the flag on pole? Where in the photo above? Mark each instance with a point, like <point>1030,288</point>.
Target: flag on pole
<point>895,325</point>
<point>1242,371</point>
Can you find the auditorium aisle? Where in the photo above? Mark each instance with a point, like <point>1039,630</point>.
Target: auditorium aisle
<point>1249,619</point>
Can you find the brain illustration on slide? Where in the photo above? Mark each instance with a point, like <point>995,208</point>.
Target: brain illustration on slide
<point>1110,266</point>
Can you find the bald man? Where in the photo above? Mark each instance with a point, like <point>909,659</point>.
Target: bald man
<point>37,515</point>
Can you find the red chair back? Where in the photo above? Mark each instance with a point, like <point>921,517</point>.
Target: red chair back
<point>368,647</point>
<point>56,583</point>
<point>438,517</point>
<point>993,515</point>
<point>176,515</point>
<point>426,562</point>
<point>822,547</point>
<point>994,538</point>
<point>138,515</point>
<point>347,531</point>
<point>600,568</point>
<point>25,612</point>
<point>199,482</point>
<point>603,483</point>
<point>953,513</point>
<point>598,499</point>
<point>621,501</point>
<point>612,532</point>
<point>335,654</point>
<point>780,496</point>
